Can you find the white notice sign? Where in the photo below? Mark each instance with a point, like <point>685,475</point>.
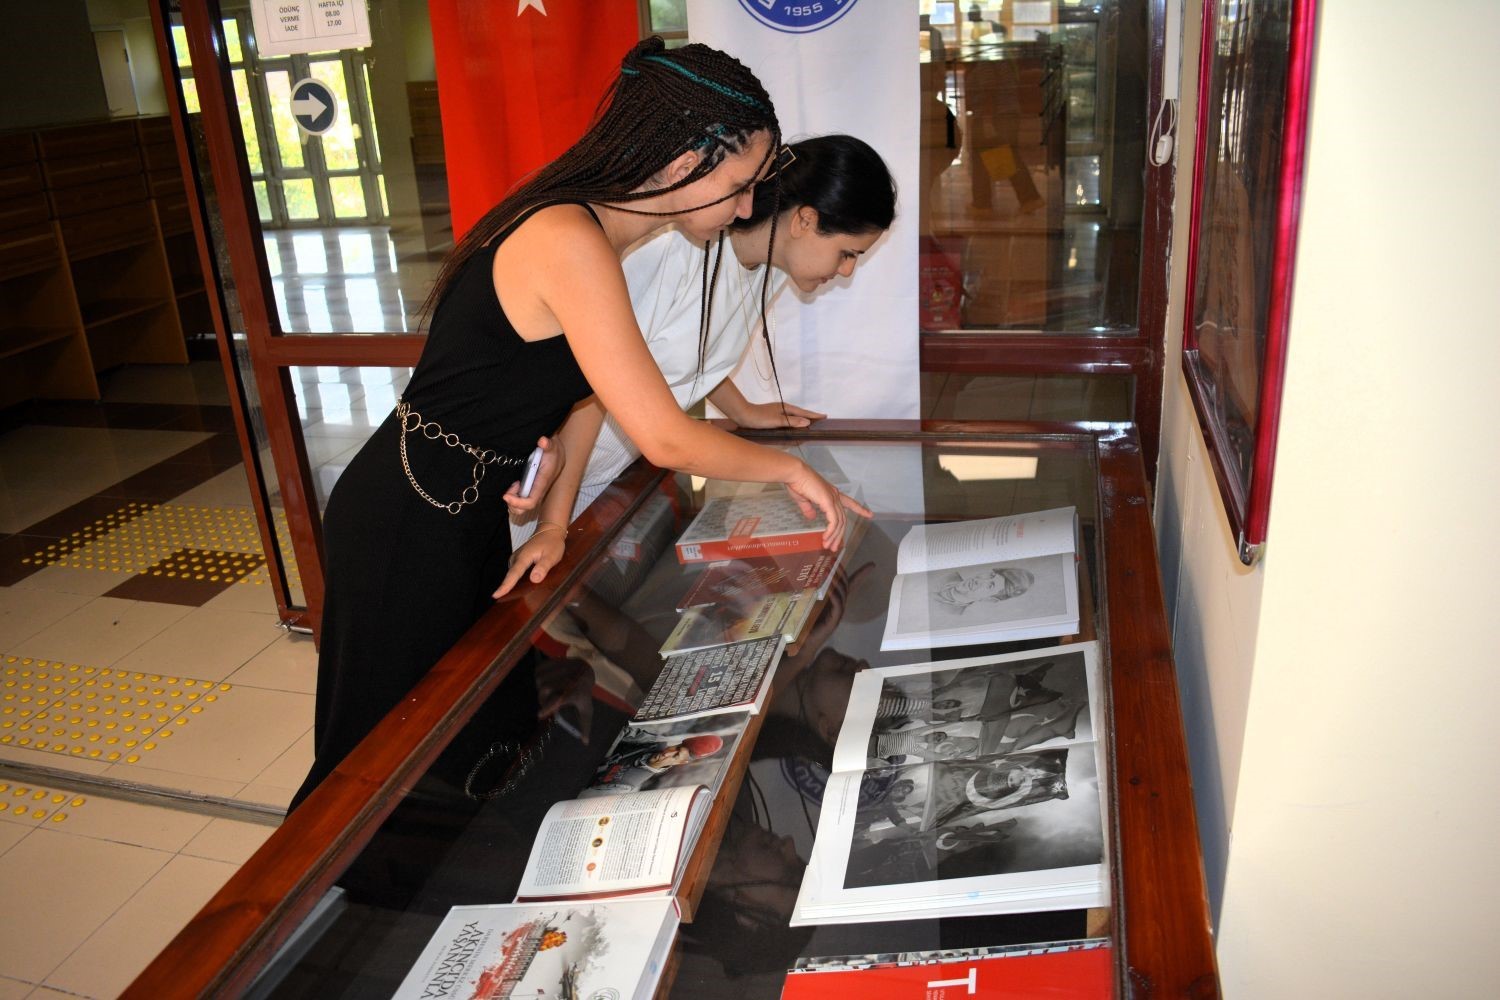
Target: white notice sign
<point>283,27</point>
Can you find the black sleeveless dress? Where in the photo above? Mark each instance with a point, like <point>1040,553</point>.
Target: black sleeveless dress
<point>405,579</point>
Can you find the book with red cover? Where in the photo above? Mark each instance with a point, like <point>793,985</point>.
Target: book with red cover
<point>749,524</point>
<point>1076,970</point>
<point>744,581</point>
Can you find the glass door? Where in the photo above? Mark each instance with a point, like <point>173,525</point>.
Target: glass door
<point>305,226</point>
<point>322,180</point>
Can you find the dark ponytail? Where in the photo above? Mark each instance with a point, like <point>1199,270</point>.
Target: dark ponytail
<point>841,177</point>
<point>849,185</point>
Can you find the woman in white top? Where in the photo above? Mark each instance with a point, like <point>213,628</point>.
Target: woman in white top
<point>835,199</point>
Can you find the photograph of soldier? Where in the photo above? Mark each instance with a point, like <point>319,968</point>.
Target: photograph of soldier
<point>999,814</point>
<point>686,753</point>
<point>984,709</point>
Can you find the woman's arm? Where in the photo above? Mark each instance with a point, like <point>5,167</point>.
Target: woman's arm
<point>575,275</point>
<point>728,398</point>
<point>544,549</point>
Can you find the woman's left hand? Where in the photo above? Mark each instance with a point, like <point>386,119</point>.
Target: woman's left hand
<point>769,415</point>
<point>552,463</point>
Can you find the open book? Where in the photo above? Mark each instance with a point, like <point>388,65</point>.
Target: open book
<point>996,579</point>
<point>633,830</point>
<point>964,787</point>
<point>601,949</point>
<point>613,845</point>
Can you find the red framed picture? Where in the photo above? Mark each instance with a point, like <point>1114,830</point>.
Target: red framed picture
<point>1255,77</point>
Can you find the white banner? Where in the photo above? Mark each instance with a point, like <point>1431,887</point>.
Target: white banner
<point>839,66</point>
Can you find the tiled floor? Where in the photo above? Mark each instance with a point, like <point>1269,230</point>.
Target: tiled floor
<point>141,664</point>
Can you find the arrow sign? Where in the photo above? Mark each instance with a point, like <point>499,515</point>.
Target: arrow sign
<point>313,106</point>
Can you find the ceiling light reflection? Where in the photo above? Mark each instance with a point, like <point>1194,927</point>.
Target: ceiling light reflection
<point>970,468</point>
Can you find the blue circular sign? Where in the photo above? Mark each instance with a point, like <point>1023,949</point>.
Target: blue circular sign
<point>313,106</point>
<point>798,16</point>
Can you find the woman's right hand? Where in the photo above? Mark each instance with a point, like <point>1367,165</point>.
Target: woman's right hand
<point>539,553</point>
<point>815,494</point>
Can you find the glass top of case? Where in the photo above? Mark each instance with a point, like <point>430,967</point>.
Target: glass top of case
<point>463,832</point>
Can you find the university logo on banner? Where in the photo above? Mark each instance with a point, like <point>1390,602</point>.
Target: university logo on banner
<point>797,15</point>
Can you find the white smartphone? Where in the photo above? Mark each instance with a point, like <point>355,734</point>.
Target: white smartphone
<point>528,478</point>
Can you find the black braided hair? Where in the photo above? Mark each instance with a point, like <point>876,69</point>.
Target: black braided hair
<point>663,103</point>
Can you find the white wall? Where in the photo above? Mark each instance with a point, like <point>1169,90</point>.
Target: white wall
<point>1213,600</point>
<point>134,18</point>
<point>1350,681</point>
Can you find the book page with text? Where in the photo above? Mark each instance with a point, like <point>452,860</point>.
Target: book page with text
<point>963,543</point>
<point>608,844</point>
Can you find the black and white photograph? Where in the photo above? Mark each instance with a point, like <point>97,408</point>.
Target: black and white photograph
<point>995,815</point>
<point>983,709</point>
<point>964,786</point>
<point>991,580</point>
<point>986,594</point>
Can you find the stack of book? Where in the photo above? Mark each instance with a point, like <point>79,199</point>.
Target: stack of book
<point>764,574</point>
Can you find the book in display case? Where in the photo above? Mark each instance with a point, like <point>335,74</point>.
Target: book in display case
<point>931,806</point>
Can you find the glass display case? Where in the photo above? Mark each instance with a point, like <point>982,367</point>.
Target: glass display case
<point>441,804</point>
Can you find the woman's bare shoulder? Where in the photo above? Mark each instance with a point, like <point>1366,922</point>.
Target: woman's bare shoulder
<point>546,262</point>
<point>562,224</point>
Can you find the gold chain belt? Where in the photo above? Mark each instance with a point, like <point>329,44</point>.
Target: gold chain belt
<point>411,422</point>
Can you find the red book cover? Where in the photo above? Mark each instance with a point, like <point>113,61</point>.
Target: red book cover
<point>745,525</point>
<point>1077,972</point>
<point>743,581</point>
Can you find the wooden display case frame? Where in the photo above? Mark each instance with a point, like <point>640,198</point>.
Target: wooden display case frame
<point>1159,902</point>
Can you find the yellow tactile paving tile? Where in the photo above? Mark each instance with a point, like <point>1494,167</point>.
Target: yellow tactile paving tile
<point>34,804</point>
<point>95,713</point>
<point>217,544</point>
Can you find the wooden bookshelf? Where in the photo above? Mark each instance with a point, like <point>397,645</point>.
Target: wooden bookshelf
<point>43,348</point>
<point>98,262</point>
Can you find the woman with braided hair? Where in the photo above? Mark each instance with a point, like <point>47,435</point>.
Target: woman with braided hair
<point>529,315</point>
<point>833,198</point>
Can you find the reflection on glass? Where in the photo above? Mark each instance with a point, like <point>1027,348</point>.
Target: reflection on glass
<point>315,308</point>
<point>247,122</point>
<point>232,40</point>
<point>339,408</point>
<point>357,251</point>
<point>668,15</point>
<point>374,118</point>
<point>180,47</point>
<point>310,253</point>
<point>1237,226</point>
<point>339,150</point>
<point>190,95</point>
<point>365,310</point>
<point>262,201</point>
<point>967,467</point>
<point>1032,126</point>
<point>288,136</point>
<point>346,279</point>
<point>348,196</point>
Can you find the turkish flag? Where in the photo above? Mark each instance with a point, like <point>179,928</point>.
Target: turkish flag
<point>518,83</point>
